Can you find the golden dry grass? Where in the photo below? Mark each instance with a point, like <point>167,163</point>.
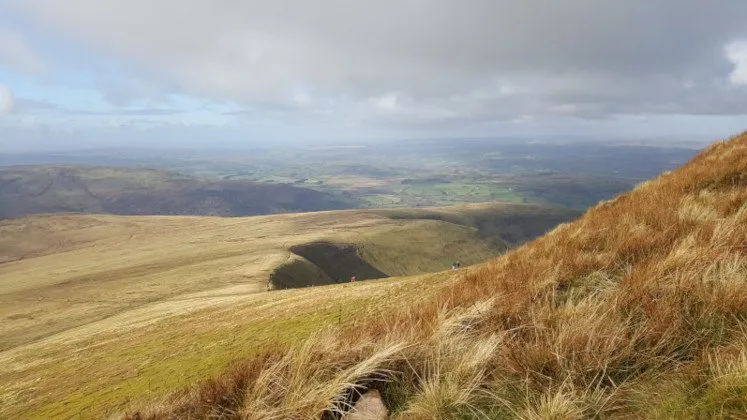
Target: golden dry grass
<point>636,310</point>
<point>114,364</point>
<point>99,311</point>
<point>71,270</point>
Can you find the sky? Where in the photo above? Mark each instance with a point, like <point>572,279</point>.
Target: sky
<point>173,73</point>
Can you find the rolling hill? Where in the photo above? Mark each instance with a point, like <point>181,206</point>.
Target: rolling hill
<point>137,301</point>
<point>28,190</point>
<point>636,310</point>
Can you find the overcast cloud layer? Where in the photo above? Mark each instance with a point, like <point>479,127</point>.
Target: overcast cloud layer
<point>393,63</point>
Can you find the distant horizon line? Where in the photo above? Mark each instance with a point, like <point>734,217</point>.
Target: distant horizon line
<point>660,141</point>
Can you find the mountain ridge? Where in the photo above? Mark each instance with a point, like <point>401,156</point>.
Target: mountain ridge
<point>39,189</point>
<point>637,309</point>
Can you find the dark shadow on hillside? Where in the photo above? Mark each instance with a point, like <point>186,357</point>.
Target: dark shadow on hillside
<point>512,224</point>
<point>320,263</point>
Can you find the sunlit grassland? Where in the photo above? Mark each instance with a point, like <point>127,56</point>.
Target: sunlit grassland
<point>98,371</point>
<point>98,311</point>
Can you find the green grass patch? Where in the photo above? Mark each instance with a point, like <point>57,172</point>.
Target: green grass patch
<point>168,358</point>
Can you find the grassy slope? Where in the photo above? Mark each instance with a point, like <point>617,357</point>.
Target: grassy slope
<point>121,362</point>
<point>39,189</point>
<point>91,267</point>
<point>637,310</point>
<point>142,301</point>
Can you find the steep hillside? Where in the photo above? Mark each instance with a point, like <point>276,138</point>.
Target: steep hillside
<point>28,190</point>
<point>150,304</point>
<point>636,310</point>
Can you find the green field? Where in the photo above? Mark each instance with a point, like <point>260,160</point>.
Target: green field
<point>379,182</point>
<point>412,173</point>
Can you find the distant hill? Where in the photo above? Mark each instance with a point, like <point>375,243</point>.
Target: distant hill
<point>137,191</point>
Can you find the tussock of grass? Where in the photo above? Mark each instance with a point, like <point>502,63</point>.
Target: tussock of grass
<point>635,310</point>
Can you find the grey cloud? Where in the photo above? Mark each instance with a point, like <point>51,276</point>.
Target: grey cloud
<point>16,52</point>
<point>125,91</point>
<point>439,59</point>
<point>24,105</point>
<point>138,112</point>
<point>34,107</point>
<point>7,102</point>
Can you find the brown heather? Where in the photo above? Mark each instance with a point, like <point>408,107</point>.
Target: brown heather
<point>636,310</point>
